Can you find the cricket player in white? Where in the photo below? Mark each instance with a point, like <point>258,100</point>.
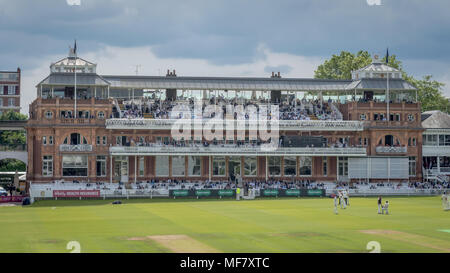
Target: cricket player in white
<point>345,195</point>
<point>341,201</point>
<point>335,204</point>
<point>445,201</point>
<point>385,208</point>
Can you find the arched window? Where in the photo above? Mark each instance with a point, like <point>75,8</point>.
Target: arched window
<point>389,140</point>
<point>76,139</point>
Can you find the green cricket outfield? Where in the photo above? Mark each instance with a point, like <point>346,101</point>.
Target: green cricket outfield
<point>415,224</point>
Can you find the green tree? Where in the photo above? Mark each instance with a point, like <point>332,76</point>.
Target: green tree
<point>429,91</point>
<point>430,94</point>
<point>12,165</point>
<point>11,115</point>
<point>12,138</point>
<point>341,66</point>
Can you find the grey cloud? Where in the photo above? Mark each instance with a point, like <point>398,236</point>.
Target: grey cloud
<point>280,68</point>
<point>228,32</point>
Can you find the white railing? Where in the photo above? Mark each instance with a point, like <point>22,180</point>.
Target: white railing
<point>428,150</point>
<point>298,125</point>
<point>391,150</point>
<point>75,148</point>
<point>234,150</point>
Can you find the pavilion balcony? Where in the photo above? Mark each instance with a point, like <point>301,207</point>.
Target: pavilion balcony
<point>429,150</point>
<point>293,125</point>
<point>75,148</point>
<point>232,150</point>
<point>391,150</point>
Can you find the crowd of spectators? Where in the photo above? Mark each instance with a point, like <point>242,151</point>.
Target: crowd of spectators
<point>295,109</point>
<point>167,184</point>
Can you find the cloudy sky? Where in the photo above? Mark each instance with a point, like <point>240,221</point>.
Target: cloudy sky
<point>221,37</point>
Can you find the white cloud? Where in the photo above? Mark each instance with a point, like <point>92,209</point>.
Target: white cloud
<point>122,61</point>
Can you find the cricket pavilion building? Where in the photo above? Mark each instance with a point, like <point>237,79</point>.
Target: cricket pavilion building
<point>112,128</point>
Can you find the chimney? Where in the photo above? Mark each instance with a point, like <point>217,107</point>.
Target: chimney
<point>279,76</point>
<point>168,73</point>
<point>174,74</point>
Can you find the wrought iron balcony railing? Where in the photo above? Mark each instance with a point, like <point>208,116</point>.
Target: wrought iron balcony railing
<point>75,148</point>
<point>392,149</point>
<point>216,150</point>
<point>297,125</point>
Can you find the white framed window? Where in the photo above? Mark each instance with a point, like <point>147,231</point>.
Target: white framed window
<point>44,140</point>
<point>47,165</point>
<point>75,165</point>
<point>104,140</point>
<point>219,166</point>
<point>305,166</point>
<point>274,165</point>
<point>162,165</point>
<point>194,165</point>
<point>444,140</point>
<point>290,165</point>
<point>412,166</point>
<point>250,166</point>
<point>141,165</point>
<point>50,140</point>
<point>178,166</point>
<point>101,165</point>
<point>430,140</point>
<point>97,140</point>
<point>11,101</point>
<point>11,89</point>
<point>343,166</point>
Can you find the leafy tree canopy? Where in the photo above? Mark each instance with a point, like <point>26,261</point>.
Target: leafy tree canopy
<point>12,138</point>
<point>11,115</point>
<point>340,66</point>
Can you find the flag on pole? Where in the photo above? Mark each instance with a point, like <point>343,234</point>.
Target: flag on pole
<point>387,55</point>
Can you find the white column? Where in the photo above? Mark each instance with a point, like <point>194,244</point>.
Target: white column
<point>110,169</point>
<point>135,168</point>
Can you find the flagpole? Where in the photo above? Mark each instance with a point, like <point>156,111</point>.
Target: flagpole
<point>75,88</point>
<point>388,97</point>
<point>387,86</point>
